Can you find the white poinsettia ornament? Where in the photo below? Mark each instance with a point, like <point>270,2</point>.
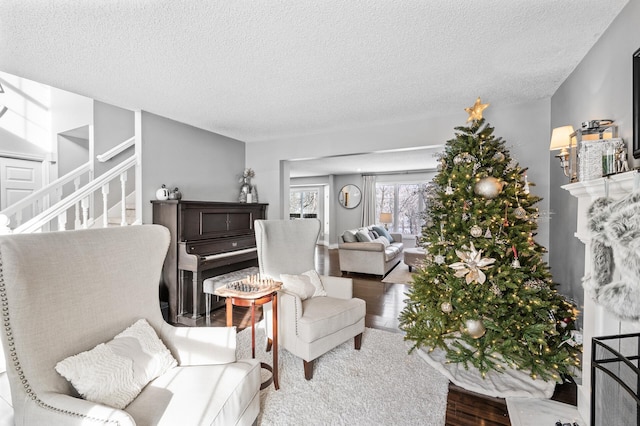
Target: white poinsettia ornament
<point>471,265</point>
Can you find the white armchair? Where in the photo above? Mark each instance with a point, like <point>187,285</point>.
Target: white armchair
<point>66,292</point>
<point>307,328</point>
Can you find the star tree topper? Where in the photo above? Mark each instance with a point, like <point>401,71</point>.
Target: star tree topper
<point>475,112</point>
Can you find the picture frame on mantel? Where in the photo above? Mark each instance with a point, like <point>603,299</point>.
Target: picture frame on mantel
<point>636,104</point>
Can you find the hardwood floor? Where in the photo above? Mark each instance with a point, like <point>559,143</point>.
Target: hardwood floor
<point>384,303</point>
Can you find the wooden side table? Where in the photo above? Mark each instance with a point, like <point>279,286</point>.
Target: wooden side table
<point>251,300</point>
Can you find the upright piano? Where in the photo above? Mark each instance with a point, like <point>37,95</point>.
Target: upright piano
<point>208,238</point>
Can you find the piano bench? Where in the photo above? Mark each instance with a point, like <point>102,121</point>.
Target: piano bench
<point>211,284</point>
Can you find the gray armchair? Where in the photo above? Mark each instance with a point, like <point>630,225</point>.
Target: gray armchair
<point>307,328</point>
<point>63,293</point>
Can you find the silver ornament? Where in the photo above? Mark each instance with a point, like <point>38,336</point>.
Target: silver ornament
<point>498,156</point>
<point>439,259</point>
<point>488,234</point>
<point>463,157</point>
<point>515,264</point>
<point>446,307</point>
<point>475,328</point>
<point>476,231</point>
<point>488,187</point>
<point>449,189</point>
<point>519,212</point>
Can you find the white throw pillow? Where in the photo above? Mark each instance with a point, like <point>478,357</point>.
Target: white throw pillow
<point>363,236</point>
<point>115,372</point>
<point>305,286</point>
<point>317,283</point>
<point>383,241</point>
<point>300,285</point>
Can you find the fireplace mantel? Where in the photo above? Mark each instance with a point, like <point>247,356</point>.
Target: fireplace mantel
<point>596,320</point>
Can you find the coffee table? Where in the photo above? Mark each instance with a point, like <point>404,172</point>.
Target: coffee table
<point>414,257</point>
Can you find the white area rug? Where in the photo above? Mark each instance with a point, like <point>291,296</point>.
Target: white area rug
<point>381,384</point>
<point>399,275</point>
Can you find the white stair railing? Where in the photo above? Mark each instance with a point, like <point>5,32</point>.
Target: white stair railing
<point>108,155</point>
<point>58,211</point>
<point>12,215</point>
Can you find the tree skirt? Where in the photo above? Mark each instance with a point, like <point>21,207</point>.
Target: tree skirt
<point>381,384</point>
<point>509,383</point>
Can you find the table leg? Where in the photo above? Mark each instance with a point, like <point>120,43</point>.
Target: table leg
<point>274,311</point>
<point>253,329</point>
<point>229,312</point>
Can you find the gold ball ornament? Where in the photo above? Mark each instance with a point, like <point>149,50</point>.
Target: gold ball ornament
<point>475,328</point>
<point>446,307</point>
<point>488,187</point>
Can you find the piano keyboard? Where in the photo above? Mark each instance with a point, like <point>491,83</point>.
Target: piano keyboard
<point>229,254</point>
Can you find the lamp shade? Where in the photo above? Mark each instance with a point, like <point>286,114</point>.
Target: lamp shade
<point>561,137</point>
<point>385,218</point>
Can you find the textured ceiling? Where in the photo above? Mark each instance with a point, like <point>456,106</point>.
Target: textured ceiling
<point>267,69</point>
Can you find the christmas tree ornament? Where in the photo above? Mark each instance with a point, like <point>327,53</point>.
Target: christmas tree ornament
<point>488,234</point>
<point>476,231</point>
<point>446,307</point>
<point>495,289</point>
<point>516,262</point>
<point>525,188</point>
<point>475,328</point>
<point>476,166</point>
<point>463,157</point>
<point>498,156</point>
<point>439,259</point>
<point>519,212</point>
<point>471,265</point>
<point>475,111</point>
<point>465,216</point>
<point>488,187</point>
<point>449,189</point>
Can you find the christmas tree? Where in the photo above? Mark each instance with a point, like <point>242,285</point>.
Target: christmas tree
<point>485,296</point>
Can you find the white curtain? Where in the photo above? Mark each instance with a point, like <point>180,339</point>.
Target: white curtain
<point>369,200</point>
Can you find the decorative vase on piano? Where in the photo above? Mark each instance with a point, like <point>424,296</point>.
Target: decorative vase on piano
<point>246,189</point>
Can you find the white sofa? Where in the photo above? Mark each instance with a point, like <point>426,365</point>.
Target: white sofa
<point>376,256</point>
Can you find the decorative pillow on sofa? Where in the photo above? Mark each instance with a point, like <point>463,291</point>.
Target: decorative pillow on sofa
<point>349,237</point>
<point>115,372</point>
<point>305,286</point>
<point>382,240</point>
<point>383,233</point>
<point>363,237</point>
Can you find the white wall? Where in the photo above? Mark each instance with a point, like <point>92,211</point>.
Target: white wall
<point>204,165</point>
<point>525,127</point>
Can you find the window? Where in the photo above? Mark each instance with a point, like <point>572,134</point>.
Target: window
<point>303,203</point>
<point>405,202</point>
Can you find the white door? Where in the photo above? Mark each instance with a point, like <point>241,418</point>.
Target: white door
<point>18,178</point>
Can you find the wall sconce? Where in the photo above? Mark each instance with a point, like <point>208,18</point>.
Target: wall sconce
<point>386,218</point>
<point>561,139</point>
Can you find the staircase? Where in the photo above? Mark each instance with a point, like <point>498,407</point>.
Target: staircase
<point>56,208</point>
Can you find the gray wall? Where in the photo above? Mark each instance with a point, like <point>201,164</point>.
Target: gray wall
<point>204,165</point>
<point>525,128</point>
<point>599,87</point>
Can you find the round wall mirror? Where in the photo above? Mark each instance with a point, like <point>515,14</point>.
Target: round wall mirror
<point>350,196</point>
